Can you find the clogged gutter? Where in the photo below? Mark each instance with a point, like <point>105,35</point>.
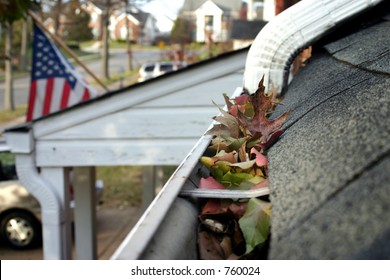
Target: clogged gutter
<point>239,229</point>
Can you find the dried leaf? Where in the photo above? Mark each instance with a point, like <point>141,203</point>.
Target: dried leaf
<point>262,184</point>
<point>271,140</point>
<point>263,105</point>
<point>210,183</point>
<point>261,159</point>
<point>245,164</point>
<point>209,247</point>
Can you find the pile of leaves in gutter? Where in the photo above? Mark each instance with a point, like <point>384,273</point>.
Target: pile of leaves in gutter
<point>239,229</point>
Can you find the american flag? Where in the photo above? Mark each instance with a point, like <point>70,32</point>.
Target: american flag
<point>55,83</point>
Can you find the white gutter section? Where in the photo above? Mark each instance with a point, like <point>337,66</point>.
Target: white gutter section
<point>52,215</point>
<point>281,40</point>
<point>31,179</point>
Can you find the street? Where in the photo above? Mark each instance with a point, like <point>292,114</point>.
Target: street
<point>117,64</point>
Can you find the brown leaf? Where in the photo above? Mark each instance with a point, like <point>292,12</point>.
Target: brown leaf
<point>226,245</point>
<point>263,105</point>
<point>209,247</point>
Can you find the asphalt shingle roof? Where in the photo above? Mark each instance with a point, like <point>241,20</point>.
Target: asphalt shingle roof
<point>330,171</point>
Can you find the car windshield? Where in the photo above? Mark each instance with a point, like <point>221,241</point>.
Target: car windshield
<point>149,68</point>
<point>166,67</point>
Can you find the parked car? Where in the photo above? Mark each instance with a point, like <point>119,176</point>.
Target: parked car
<point>20,212</point>
<point>155,69</point>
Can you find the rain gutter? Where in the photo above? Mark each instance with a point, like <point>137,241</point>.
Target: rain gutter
<point>283,38</point>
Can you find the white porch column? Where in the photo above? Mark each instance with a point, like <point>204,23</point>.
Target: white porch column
<point>57,237</point>
<point>85,213</point>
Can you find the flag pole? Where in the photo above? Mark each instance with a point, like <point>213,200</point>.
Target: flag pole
<point>66,48</point>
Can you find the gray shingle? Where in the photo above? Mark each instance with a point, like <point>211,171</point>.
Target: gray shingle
<point>330,171</point>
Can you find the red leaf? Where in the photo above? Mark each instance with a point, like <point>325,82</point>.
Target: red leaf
<point>212,206</point>
<point>272,139</point>
<point>261,160</point>
<point>210,183</point>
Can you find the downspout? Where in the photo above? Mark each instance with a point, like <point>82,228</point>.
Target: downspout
<point>22,145</point>
<point>30,178</point>
<point>280,41</point>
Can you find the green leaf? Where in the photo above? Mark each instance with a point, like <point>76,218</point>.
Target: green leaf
<point>255,224</point>
<point>236,144</point>
<point>233,180</point>
<point>244,165</point>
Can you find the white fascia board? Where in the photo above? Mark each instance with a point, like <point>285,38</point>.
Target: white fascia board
<point>20,142</point>
<point>164,86</point>
<point>161,152</point>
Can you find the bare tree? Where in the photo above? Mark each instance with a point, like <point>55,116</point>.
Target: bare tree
<point>9,96</point>
<point>24,46</point>
<point>107,6</point>
<point>10,11</point>
<point>128,38</point>
<point>105,39</point>
<point>57,14</point>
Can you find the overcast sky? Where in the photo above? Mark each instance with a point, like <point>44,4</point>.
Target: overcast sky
<point>162,9</point>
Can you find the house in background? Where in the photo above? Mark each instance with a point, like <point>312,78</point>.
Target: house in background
<point>248,25</point>
<point>142,26</point>
<point>213,22</point>
<point>223,20</point>
<point>96,13</point>
<point>210,20</point>
<point>49,23</point>
<point>244,32</point>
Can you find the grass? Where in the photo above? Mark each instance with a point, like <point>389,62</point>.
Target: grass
<point>9,115</point>
<point>123,184</point>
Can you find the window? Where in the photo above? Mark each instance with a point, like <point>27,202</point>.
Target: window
<point>209,21</point>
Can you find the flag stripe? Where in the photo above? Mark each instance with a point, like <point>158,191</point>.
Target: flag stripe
<point>41,90</point>
<point>48,96</point>
<point>86,94</point>
<point>77,94</point>
<point>31,102</point>
<point>57,91</point>
<point>65,96</point>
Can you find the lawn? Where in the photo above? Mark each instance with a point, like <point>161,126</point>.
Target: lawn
<point>9,115</point>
